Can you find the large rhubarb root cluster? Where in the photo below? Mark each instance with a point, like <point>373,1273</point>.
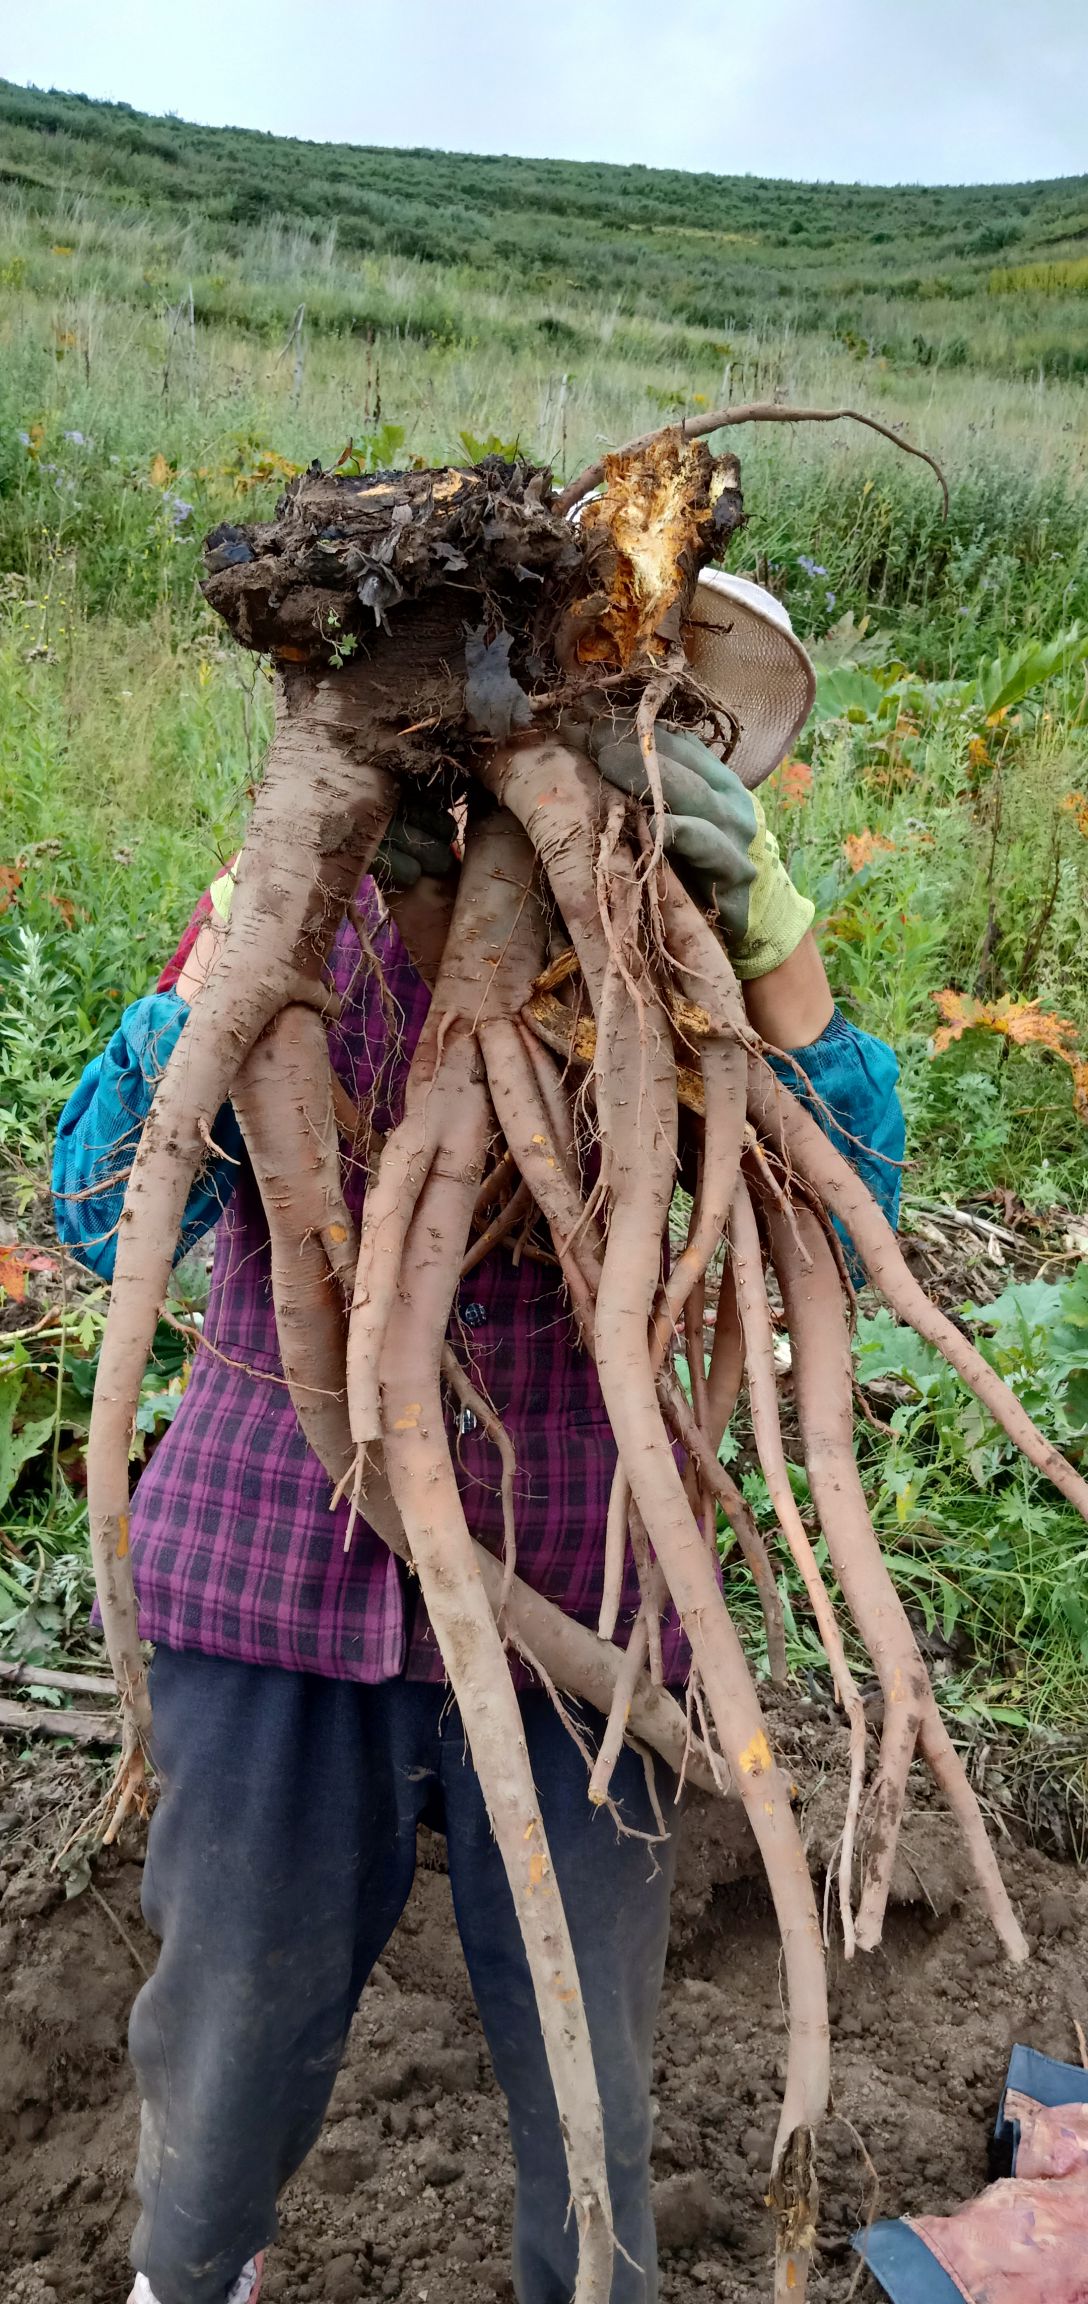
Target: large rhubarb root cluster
<point>581,990</point>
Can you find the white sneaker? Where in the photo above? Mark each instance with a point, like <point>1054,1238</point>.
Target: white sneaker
<point>246,2289</point>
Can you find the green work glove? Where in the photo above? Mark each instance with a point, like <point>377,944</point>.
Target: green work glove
<point>716,835</point>
<point>420,839</point>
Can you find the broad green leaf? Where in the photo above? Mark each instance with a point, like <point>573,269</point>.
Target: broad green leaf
<point>1015,672</point>
<point>886,1349</point>
<point>18,1444</point>
<point>846,693</point>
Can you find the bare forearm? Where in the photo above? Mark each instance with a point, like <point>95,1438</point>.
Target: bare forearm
<point>792,1005</point>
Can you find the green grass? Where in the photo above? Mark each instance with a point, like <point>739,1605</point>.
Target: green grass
<point>990,1561</point>
<point>567,306</point>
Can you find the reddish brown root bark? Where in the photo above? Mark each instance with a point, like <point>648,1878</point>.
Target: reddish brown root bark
<point>747,1257</point>
<point>726,1372</point>
<point>560,800</point>
<point>822,1369</point>
<point>726,1493</point>
<point>311,1317</point>
<point>525,1124</point>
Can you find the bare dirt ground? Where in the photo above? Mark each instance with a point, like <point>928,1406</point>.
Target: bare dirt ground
<point>408,2193</point>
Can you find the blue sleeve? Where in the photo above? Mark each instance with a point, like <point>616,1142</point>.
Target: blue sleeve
<point>100,1127</point>
<point>851,1091</point>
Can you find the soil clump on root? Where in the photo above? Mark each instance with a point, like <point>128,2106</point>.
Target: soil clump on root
<point>408,2193</point>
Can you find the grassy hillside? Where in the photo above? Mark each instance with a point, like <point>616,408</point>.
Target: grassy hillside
<point>995,278</point>
<point>157,374</point>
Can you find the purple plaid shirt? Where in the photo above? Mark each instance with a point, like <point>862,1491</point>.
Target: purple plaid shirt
<point>235,1550</point>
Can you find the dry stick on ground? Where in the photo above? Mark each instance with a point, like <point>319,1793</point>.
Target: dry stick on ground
<point>822,1369</point>
<point>76,1683</point>
<point>747,1259</point>
<point>83,1727</point>
<point>317,820</point>
<point>754,412</point>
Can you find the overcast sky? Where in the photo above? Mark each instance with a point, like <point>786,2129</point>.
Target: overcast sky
<point>882,91</point>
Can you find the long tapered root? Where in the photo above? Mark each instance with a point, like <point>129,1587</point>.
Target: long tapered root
<point>426,1495</point>
<point>814,1311</point>
<point>759,1353</point>
<point>319,815</point>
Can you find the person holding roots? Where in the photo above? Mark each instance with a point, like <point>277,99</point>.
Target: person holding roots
<point>302,1725</point>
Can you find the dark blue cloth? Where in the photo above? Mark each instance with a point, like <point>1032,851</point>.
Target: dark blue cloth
<point>1043,2077</point>
<point>280,1858</point>
<point>99,1130</point>
<point>851,1076</point>
<point>902,2263</point>
<point>898,2257</point>
<point>849,1086</point>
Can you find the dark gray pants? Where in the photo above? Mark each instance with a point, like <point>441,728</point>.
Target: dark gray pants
<point>280,1860</point>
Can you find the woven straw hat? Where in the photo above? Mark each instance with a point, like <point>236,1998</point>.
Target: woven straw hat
<point>740,644</point>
